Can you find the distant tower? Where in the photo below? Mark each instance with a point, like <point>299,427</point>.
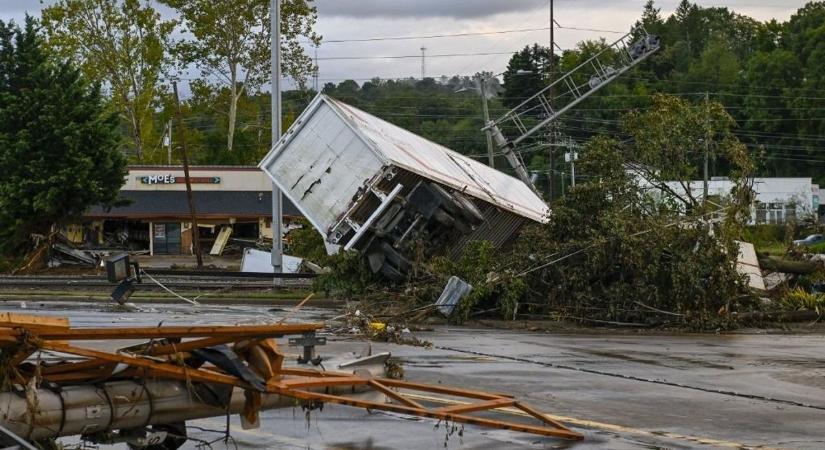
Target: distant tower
<point>423,62</point>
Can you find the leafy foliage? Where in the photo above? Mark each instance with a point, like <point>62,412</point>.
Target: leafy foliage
<point>306,242</point>
<point>768,75</point>
<point>619,250</point>
<point>491,290</point>
<point>58,146</point>
<point>121,43</point>
<point>349,276</point>
<point>230,44</point>
<point>801,300</point>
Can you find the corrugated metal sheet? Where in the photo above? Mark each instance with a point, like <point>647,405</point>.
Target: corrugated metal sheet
<point>416,154</point>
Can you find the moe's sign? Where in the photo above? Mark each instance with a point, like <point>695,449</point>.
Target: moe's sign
<point>171,179</point>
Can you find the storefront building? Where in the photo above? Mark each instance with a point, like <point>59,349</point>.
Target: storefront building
<point>233,204</point>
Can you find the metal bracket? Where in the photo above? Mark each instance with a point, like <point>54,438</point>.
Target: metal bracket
<point>385,203</point>
<point>352,224</point>
<point>308,341</point>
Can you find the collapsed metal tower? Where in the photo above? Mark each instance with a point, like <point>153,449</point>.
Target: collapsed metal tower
<point>540,110</point>
<point>144,394</point>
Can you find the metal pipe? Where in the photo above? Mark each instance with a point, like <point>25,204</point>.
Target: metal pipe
<point>118,405</point>
<point>277,204</point>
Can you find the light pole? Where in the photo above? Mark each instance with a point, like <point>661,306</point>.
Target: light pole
<point>277,207</point>
<point>482,90</point>
<point>485,108</point>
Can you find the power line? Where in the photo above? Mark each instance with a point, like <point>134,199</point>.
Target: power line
<point>452,35</point>
<point>443,55</point>
<point>590,29</point>
<point>433,36</point>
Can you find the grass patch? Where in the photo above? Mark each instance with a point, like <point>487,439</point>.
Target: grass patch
<point>772,248</point>
<point>816,248</point>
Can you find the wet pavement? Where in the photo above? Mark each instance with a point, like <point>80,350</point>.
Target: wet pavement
<point>623,391</point>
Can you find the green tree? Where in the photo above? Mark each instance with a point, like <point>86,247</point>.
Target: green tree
<point>527,73</point>
<point>716,66</point>
<point>58,146</point>
<point>670,141</point>
<point>617,250</point>
<point>119,43</point>
<point>805,37</point>
<point>229,41</point>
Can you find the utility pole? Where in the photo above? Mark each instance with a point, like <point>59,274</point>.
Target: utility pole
<point>169,145</point>
<point>277,207</point>
<point>707,147</point>
<point>571,156</point>
<point>562,182</point>
<point>552,130</point>
<point>423,62</point>
<point>486,109</point>
<point>317,70</point>
<point>196,238</point>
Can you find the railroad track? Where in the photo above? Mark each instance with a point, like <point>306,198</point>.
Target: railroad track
<point>182,281</point>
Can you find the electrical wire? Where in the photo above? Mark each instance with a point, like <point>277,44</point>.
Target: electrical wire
<point>434,36</point>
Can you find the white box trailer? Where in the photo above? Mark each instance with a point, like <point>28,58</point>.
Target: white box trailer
<point>368,185</point>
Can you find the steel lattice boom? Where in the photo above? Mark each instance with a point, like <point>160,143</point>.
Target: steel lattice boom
<point>546,106</point>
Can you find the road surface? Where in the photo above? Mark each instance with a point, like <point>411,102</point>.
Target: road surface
<point>622,390</point>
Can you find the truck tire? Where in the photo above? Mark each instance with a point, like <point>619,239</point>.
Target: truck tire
<point>469,210</point>
<point>446,219</point>
<point>386,260</point>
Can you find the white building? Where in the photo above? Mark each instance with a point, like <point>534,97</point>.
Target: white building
<point>777,200</point>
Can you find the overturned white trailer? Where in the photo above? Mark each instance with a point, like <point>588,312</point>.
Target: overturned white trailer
<point>368,185</point>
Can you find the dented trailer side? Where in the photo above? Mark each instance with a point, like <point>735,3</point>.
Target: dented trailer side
<point>370,186</point>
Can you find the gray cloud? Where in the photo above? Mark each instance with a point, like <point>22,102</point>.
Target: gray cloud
<point>402,9</point>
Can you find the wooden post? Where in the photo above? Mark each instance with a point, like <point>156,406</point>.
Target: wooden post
<point>185,158</point>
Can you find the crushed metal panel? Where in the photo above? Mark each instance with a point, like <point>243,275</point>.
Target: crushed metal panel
<point>455,290</point>
<point>434,161</point>
<point>259,261</point>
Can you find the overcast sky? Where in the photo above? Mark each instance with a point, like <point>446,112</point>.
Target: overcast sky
<point>356,19</point>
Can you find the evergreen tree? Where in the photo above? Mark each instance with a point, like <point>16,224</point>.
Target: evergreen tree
<point>58,147</point>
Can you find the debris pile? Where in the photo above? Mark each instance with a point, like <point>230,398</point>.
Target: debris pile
<point>362,324</point>
<point>190,372</point>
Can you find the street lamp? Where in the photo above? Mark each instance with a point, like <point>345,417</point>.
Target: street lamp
<point>482,90</point>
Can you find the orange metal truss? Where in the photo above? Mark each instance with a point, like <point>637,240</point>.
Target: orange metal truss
<point>21,339</point>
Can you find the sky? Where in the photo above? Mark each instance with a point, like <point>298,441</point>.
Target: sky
<point>364,19</point>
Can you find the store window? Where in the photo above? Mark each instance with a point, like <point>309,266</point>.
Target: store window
<point>166,238</point>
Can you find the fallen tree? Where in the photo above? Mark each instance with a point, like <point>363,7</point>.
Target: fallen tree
<point>632,244</point>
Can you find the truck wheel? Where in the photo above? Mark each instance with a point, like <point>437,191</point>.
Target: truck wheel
<point>384,259</point>
<point>469,210</point>
<point>444,218</point>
